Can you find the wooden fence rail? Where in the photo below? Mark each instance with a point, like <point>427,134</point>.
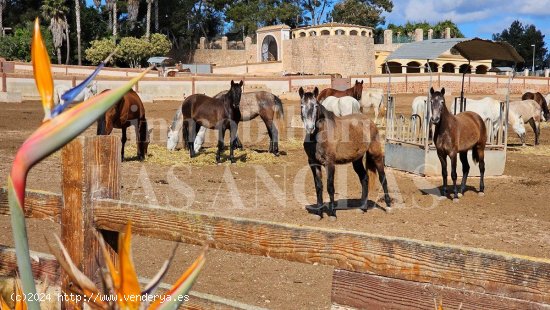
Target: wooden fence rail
<point>371,270</point>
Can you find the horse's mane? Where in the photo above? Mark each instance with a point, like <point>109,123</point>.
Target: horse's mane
<point>324,113</point>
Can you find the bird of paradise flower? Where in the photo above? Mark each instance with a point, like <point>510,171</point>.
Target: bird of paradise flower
<point>57,129</point>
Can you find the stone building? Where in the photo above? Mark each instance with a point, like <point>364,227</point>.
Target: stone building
<point>331,48</point>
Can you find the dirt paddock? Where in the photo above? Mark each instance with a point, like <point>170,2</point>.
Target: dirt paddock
<point>512,217</point>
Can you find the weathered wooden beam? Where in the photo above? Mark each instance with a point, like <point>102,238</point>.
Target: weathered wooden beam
<point>44,266</point>
<point>90,169</point>
<point>368,291</point>
<point>199,301</point>
<point>38,205</point>
<point>476,270</point>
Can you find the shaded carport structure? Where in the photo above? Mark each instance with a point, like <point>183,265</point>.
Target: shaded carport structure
<point>408,145</point>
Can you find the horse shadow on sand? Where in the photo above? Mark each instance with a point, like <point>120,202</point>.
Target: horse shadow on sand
<point>436,191</point>
<point>347,205</point>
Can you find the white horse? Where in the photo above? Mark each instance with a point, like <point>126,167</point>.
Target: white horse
<point>526,111</point>
<point>489,109</point>
<point>373,98</point>
<point>174,132</point>
<point>89,91</point>
<point>418,114</point>
<point>342,106</point>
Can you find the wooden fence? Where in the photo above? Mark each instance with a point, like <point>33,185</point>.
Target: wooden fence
<point>371,271</point>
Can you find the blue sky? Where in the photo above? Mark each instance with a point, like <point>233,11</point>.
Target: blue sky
<point>475,18</point>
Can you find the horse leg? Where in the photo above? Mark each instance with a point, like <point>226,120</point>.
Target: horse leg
<point>363,179</point>
<point>123,141</point>
<point>481,157</point>
<point>330,189</point>
<point>317,177</point>
<point>273,133</point>
<point>531,122</point>
<point>185,135</point>
<point>233,138</point>
<point>443,160</point>
<point>221,134</point>
<point>191,134</point>
<point>454,175</point>
<point>379,162</point>
<point>199,139</point>
<point>465,170</point>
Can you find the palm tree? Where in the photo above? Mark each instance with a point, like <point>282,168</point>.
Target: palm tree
<point>111,6</point>
<point>148,27</point>
<point>156,5</point>
<point>2,6</point>
<point>55,11</point>
<point>133,10</point>
<point>67,59</point>
<point>77,12</point>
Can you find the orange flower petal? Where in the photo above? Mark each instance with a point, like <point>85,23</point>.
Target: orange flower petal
<point>42,70</point>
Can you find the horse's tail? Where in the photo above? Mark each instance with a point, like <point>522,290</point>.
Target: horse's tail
<point>101,125</point>
<point>419,119</point>
<point>475,154</point>
<point>371,170</point>
<point>375,148</point>
<point>278,108</point>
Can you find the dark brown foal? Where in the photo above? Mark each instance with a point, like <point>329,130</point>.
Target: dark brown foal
<point>456,135</point>
<point>331,141</point>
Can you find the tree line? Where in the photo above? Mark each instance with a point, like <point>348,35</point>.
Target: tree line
<point>77,32</point>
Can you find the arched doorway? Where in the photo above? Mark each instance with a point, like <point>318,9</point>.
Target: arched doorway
<point>394,67</point>
<point>448,67</point>
<point>465,68</point>
<point>413,67</point>
<point>433,67</point>
<point>481,69</point>
<point>269,49</point>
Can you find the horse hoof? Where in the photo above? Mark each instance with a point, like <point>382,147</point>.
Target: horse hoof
<point>316,217</point>
<point>361,210</point>
<point>276,154</point>
<point>455,200</point>
<point>332,218</point>
<point>481,194</point>
<point>460,195</point>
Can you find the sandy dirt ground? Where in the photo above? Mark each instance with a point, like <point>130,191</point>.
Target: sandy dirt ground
<point>512,217</point>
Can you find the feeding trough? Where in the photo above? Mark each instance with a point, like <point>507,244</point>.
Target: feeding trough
<point>409,146</point>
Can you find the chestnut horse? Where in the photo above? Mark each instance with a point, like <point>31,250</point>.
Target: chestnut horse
<point>127,112</point>
<point>539,98</point>
<point>354,92</point>
<point>221,113</point>
<point>456,135</point>
<point>331,141</point>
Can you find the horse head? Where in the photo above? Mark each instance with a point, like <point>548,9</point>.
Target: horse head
<point>358,90</point>
<point>437,102</point>
<point>519,127</point>
<point>93,87</point>
<point>309,109</point>
<point>234,93</point>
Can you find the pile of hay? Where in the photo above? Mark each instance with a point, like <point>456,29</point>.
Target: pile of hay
<point>158,154</point>
<point>539,150</point>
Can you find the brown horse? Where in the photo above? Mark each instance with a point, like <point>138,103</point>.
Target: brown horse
<point>332,140</point>
<point>219,113</point>
<point>354,92</point>
<point>457,135</point>
<point>539,98</point>
<point>127,112</point>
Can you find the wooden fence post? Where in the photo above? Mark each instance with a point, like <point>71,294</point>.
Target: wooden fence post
<point>90,170</point>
